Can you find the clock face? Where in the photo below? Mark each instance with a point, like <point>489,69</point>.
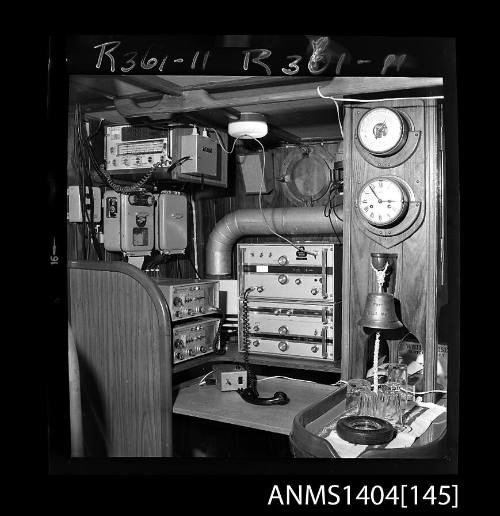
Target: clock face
<point>382,131</point>
<point>382,201</point>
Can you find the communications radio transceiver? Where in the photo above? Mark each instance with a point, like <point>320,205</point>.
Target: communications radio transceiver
<point>292,329</point>
<point>131,147</point>
<point>290,300</point>
<point>194,338</point>
<point>278,271</point>
<point>129,222</point>
<point>189,298</point>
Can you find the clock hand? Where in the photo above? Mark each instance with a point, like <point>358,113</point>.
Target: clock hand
<point>374,193</point>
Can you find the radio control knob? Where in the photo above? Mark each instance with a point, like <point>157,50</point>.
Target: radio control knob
<point>203,349</point>
<point>298,281</point>
<point>314,291</point>
<point>177,301</point>
<point>201,309</point>
<point>255,343</point>
<point>282,260</point>
<point>178,344</point>
<point>256,327</point>
<point>277,311</point>
<point>283,278</point>
<point>179,356</point>
<point>190,312</point>
<point>283,330</point>
<point>191,352</point>
<point>289,312</point>
<point>314,349</point>
<point>260,289</point>
<point>282,346</point>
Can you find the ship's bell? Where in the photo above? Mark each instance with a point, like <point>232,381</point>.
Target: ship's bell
<point>380,312</point>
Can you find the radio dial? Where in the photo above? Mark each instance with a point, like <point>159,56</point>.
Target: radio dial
<point>282,346</point>
<point>260,289</point>
<point>314,349</point>
<point>191,352</point>
<point>298,281</point>
<point>256,327</point>
<point>314,291</point>
<point>283,330</point>
<point>177,301</point>
<point>282,260</point>
<point>203,349</point>
<point>179,356</point>
<point>178,344</point>
<point>283,278</point>
<point>255,343</point>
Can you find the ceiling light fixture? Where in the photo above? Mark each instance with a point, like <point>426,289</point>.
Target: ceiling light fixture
<point>249,125</point>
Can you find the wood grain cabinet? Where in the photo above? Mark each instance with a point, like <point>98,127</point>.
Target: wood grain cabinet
<point>122,332</point>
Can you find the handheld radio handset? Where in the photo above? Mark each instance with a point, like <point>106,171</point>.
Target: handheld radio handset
<point>250,394</point>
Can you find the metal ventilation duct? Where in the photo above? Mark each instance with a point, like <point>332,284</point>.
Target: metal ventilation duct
<point>285,221</point>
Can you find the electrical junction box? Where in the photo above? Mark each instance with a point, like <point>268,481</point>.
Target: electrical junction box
<point>230,377</point>
<point>75,207</point>
<point>203,153</point>
<point>129,222</point>
<point>251,170</point>
<point>131,147</point>
<point>171,222</point>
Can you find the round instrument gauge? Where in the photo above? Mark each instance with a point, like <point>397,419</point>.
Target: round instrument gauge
<point>383,201</point>
<point>382,131</point>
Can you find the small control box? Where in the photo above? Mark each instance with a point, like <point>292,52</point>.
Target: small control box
<point>189,298</point>
<point>75,204</point>
<point>195,338</point>
<point>230,377</point>
<point>203,155</point>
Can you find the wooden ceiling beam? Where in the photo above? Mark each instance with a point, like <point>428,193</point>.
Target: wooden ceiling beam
<point>199,100</point>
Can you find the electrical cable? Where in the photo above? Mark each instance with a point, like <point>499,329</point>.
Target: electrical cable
<point>192,265</point>
<point>336,99</point>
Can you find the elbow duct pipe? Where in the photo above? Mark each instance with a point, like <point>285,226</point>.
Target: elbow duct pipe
<point>285,221</point>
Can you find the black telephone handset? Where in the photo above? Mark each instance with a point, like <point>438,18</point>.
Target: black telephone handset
<point>250,394</point>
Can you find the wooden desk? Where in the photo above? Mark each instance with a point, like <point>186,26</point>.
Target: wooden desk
<point>208,402</point>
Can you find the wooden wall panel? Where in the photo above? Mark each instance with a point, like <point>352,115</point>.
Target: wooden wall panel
<point>415,284</point>
<point>124,356</point>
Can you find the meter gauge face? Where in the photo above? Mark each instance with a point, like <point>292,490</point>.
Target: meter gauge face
<point>383,201</point>
<point>382,131</point>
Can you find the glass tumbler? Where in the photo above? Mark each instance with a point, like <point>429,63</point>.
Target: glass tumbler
<point>355,387</point>
<point>397,375</point>
<point>388,404</point>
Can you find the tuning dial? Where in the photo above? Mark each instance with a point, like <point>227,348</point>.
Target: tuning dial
<point>282,346</point>
<point>289,312</point>
<point>314,349</point>
<point>256,327</point>
<point>177,301</point>
<point>282,260</point>
<point>283,330</point>
<point>314,291</point>
<point>260,289</point>
<point>298,281</point>
<point>203,349</point>
<point>277,311</point>
<point>179,356</point>
<point>178,344</point>
<point>255,343</point>
<point>190,312</point>
<point>283,278</point>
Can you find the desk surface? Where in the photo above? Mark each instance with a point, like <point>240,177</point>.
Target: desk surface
<point>208,402</point>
